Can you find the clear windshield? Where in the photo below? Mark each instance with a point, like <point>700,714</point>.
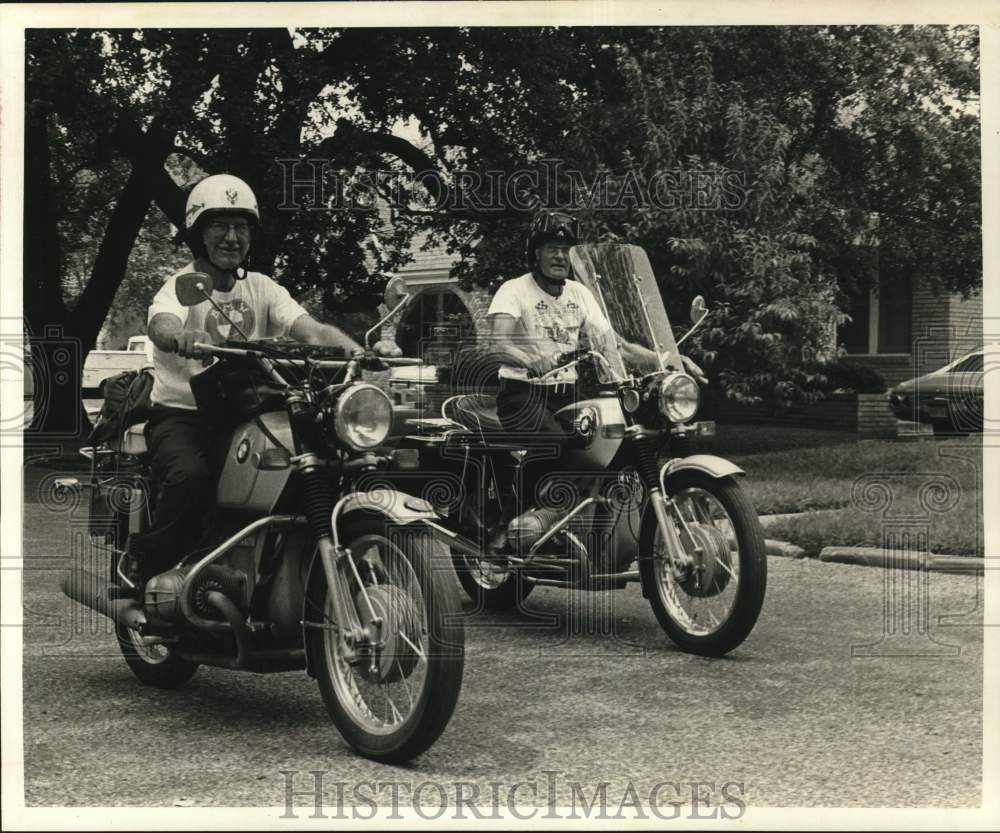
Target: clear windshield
<point>621,278</point>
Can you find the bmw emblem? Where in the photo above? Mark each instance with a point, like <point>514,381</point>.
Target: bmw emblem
<point>242,450</point>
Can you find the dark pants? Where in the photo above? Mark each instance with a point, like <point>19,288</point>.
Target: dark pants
<point>528,410</point>
<point>184,449</point>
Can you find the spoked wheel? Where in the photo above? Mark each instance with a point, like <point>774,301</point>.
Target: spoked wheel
<point>487,583</point>
<point>153,663</point>
<point>708,598</point>
<point>393,698</point>
<point>490,585</point>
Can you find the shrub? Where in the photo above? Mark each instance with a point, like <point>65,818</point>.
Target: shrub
<point>845,376</point>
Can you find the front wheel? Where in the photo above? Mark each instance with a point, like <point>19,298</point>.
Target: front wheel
<point>393,695</point>
<point>707,598</point>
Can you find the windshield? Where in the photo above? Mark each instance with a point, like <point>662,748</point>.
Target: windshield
<point>621,278</point>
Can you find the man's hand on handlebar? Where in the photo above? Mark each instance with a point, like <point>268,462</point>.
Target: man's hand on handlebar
<point>185,341</point>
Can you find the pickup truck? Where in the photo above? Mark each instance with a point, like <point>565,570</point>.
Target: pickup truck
<point>101,364</point>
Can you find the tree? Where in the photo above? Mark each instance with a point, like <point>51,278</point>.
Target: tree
<point>817,153</point>
<point>841,134</point>
<point>106,109</point>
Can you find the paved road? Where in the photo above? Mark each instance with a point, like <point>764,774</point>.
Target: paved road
<point>791,718</point>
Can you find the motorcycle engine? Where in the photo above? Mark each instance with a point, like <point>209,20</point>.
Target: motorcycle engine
<point>163,592</point>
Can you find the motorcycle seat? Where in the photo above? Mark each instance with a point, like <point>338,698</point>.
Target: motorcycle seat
<point>133,441</point>
<point>475,411</point>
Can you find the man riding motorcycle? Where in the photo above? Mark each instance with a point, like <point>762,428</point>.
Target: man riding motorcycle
<point>537,318</point>
<point>221,219</point>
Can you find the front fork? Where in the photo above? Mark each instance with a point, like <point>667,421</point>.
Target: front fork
<point>678,554</point>
<point>681,547</point>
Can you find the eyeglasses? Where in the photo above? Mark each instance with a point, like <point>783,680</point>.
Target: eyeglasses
<point>555,248</point>
<point>217,228</point>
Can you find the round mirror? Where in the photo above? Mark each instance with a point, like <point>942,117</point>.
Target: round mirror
<point>698,309</point>
<point>395,292</point>
<point>192,288</point>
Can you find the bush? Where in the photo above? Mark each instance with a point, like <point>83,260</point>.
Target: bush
<point>845,376</point>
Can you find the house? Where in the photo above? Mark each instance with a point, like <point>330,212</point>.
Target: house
<point>907,331</point>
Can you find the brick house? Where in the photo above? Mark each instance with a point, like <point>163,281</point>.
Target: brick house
<point>909,331</point>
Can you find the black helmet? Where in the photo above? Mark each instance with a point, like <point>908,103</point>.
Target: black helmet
<point>550,227</point>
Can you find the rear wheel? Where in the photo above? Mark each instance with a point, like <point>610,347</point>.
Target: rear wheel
<point>706,599</point>
<point>392,697</point>
<point>489,585</point>
<point>151,661</point>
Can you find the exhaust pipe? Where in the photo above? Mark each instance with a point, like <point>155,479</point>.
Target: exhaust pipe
<point>92,591</point>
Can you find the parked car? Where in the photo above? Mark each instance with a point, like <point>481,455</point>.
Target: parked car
<point>950,398</point>
<point>102,364</point>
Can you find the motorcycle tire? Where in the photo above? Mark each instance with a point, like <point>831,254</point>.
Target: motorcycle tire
<point>660,582</point>
<point>500,594</point>
<point>153,665</point>
<point>434,620</point>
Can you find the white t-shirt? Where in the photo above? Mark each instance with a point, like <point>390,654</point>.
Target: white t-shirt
<point>548,325</point>
<point>260,307</point>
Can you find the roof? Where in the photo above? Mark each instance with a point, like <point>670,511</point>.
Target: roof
<point>434,259</point>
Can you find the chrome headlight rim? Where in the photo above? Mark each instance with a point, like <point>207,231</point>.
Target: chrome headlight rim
<point>680,397</point>
<point>341,425</point>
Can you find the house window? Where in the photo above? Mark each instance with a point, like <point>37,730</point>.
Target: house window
<point>880,321</point>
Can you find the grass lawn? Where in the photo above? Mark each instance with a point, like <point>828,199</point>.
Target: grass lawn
<point>798,469</point>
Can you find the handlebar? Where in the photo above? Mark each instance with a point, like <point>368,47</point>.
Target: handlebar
<point>333,364</point>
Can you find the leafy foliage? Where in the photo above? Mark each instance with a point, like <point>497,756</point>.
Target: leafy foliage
<point>843,152</point>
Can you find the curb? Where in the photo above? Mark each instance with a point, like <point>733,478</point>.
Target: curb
<point>871,556</point>
<point>782,549</point>
<point>877,557</point>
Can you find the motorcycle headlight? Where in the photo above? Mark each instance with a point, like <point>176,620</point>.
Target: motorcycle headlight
<point>679,397</point>
<point>362,417</point>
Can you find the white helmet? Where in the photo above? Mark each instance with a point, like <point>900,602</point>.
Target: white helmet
<point>220,192</point>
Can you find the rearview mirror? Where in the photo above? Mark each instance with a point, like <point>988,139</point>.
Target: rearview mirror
<point>396,297</point>
<point>396,292</point>
<point>698,309</point>
<point>192,288</point>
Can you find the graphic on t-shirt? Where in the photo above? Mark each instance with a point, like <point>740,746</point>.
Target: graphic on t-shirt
<point>560,326</point>
<point>241,314</point>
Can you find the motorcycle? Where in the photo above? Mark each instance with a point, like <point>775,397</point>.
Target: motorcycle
<point>633,504</point>
<point>309,570</point>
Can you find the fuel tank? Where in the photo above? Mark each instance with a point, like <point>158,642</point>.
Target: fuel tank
<point>249,482</point>
<point>598,427</point>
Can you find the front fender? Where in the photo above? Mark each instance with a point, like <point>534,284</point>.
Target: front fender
<point>707,463</point>
<point>397,506</point>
